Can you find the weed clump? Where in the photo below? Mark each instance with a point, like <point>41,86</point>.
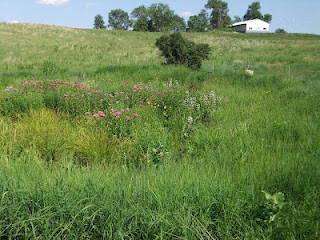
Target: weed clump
<point>178,50</point>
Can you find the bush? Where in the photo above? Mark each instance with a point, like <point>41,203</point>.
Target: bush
<point>280,30</point>
<point>178,50</point>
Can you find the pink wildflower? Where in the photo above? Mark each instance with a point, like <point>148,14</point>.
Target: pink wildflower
<point>96,115</point>
<point>117,114</point>
<point>128,118</point>
<point>109,123</point>
<point>122,110</point>
<point>87,113</point>
<point>127,109</point>
<point>136,115</point>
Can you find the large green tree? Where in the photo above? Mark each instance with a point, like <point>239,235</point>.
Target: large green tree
<point>119,20</point>
<point>156,18</point>
<point>178,24</point>
<point>140,17</point>
<point>237,19</point>
<point>198,23</point>
<point>219,15</point>
<point>253,12</point>
<point>193,24</point>
<point>99,22</point>
<point>160,17</point>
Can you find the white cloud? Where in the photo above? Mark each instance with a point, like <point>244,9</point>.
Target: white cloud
<point>52,2</point>
<point>186,14</point>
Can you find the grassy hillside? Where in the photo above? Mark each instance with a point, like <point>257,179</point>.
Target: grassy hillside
<point>187,158</point>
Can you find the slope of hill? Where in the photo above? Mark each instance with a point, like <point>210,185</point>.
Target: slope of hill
<point>100,140</point>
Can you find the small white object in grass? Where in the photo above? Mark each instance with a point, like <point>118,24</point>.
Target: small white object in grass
<point>250,72</point>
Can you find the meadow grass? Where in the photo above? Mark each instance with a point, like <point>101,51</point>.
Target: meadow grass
<point>188,163</point>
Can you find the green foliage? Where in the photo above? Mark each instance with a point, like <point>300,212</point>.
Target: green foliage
<point>253,12</point>
<point>160,17</point>
<point>157,18</point>
<point>219,17</point>
<point>267,18</point>
<point>237,19</point>
<point>178,50</point>
<point>272,207</point>
<point>140,17</point>
<point>280,30</point>
<point>119,20</point>
<point>198,23</point>
<point>17,103</point>
<point>178,24</point>
<point>99,22</point>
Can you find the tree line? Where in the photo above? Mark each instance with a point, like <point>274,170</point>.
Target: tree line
<point>158,17</point>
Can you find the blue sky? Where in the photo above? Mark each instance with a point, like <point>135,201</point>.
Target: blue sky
<point>295,16</point>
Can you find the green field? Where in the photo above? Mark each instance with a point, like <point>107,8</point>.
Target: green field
<point>100,140</point>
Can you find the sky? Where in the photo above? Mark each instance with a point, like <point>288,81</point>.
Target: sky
<point>295,16</point>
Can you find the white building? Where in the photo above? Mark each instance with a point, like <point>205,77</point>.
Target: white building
<point>251,26</point>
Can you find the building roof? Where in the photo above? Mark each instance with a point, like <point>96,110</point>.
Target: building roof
<point>249,21</point>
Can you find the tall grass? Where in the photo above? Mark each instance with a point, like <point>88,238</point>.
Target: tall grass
<point>187,160</point>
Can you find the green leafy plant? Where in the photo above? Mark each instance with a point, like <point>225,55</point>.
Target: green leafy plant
<point>272,207</point>
<point>178,50</point>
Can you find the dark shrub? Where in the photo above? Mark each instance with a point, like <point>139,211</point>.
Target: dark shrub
<point>178,50</point>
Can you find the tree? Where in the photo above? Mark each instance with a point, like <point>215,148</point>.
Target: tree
<point>160,17</point>
<point>253,12</point>
<point>157,18</point>
<point>267,18</point>
<point>280,30</point>
<point>119,20</point>
<point>193,24</point>
<point>219,16</point>
<point>198,23</point>
<point>237,19</point>
<point>203,21</point>
<point>98,22</point>
<point>140,17</point>
<point>178,24</point>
